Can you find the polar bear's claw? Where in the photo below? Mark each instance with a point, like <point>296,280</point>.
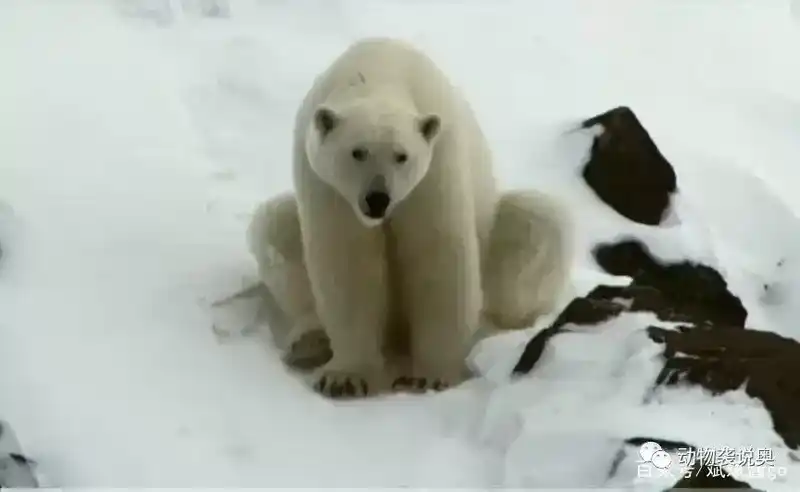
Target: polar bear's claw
<point>338,385</point>
<point>419,384</point>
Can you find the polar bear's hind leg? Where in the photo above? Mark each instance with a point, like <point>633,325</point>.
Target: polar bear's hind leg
<point>528,260</point>
<point>275,241</point>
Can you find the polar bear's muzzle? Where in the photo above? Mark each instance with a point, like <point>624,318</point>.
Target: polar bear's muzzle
<point>375,204</point>
<point>375,201</point>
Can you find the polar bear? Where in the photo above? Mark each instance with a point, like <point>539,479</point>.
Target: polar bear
<point>396,246</point>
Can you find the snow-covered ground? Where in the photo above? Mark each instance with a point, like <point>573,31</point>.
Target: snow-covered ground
<point>134,144</point>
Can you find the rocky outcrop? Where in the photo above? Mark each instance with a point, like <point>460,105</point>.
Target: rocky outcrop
<point>711,345</point>
<point>626,170</point>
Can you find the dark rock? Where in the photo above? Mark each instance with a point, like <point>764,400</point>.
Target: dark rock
<point>625,258</point>
<point>533,350</point>
<point>581,311</point>
<point>681,292</point>
<point>720,360</point>
<point>695,292</point>
<point>16,469</point>
<point>626,170</point>
<point>710,347</point>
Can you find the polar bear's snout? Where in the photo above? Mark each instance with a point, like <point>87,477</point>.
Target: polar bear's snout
<point>375,201</point>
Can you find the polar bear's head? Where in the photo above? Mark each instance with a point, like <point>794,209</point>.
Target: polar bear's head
<point>372,154</point>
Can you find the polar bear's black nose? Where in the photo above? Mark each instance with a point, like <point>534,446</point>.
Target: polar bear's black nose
<point>377,202</point>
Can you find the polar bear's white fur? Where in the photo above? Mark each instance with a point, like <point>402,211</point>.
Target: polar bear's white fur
<point>400,288</point>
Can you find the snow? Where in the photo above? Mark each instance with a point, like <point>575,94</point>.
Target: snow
<point>137,136</point>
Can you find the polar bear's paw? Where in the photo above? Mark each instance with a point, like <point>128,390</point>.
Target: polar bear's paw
<point>341,384</point>
<point>308,350</point>
<point>415,384</point>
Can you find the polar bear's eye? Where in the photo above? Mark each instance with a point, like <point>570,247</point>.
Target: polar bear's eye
<point>400,157</point>
<point>359,153</point>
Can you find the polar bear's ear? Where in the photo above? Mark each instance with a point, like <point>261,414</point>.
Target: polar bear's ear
<point>429,126</point>
<point>325,120</point>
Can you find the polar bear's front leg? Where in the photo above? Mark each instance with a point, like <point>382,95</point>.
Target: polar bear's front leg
<point>439,269</point>
<point>347,268</point>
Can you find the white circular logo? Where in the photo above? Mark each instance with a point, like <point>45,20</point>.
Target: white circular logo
<point>648,449</point>
<point>661,459</point>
